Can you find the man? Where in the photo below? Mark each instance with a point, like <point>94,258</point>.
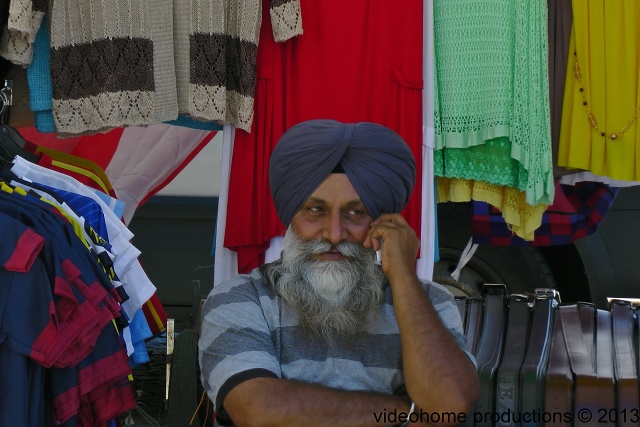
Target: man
<point>325,336</point>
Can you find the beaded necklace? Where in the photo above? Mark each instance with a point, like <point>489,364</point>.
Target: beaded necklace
<point>590,116</point>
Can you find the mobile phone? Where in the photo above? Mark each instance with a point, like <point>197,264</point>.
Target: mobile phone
<point>379,254</point>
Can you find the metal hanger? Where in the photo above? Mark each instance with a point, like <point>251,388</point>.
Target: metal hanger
<point>11,142</point>
<point>6,100</point>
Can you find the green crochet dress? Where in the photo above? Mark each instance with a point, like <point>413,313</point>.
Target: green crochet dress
<point>491,95</point>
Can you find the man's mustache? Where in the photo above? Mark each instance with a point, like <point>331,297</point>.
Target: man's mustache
<point>344,247</point>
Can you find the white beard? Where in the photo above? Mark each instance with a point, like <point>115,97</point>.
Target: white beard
<point>332,297</point>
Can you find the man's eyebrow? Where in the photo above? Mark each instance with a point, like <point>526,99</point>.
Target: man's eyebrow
<point>314,200</point>
<point>348,205</point>
<point>354,203</point>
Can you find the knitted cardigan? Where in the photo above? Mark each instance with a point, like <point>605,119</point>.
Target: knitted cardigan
<point>140,62</point>
<point>19,32</point>
<point>223,46</point>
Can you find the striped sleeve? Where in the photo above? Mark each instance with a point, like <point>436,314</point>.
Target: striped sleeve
<point>235,344</point>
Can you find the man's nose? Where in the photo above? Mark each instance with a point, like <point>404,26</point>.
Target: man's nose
<point>335,231</point>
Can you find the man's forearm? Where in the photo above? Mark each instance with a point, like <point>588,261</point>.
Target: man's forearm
<point>278,402</point>
<point>439,376</point>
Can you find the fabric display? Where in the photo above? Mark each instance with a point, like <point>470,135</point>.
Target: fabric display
<point>576,212</point>
<point>498,150</point>
<point>560,21</point>
<point>117,64</point>
<point>493,139</point>
<point>138,161</point>
<point>584,155</point>
<point>599,130</point>
<point>375,77</point>
<point>67,255</point>
<point>525,103</point>
<point>40,89</point>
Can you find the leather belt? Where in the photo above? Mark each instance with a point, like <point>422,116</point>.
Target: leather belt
<point>624,361</point>
<point>577,328</point>
<point>558,394</point>
<point>490,345</point>
<point>515,342</point>
<point>473,323</point>
<point>533,369</point>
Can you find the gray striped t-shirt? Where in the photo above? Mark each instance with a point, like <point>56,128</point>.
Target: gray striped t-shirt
<point>248,331</point>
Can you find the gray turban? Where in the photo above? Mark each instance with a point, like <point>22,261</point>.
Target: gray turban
<point>377,161</point>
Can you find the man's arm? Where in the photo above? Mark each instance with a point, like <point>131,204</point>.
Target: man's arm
<point>278,402</point>
<point>438,374</point>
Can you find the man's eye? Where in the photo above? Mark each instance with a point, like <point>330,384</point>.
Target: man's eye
<point>314,209</point>
<point>356,212</point>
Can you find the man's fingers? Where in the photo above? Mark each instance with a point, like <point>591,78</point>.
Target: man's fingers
<point>392,218</point>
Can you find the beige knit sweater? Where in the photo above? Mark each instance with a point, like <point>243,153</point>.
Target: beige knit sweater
<point>223,45</point>
<point>137,62</point>
<point>19,33</point>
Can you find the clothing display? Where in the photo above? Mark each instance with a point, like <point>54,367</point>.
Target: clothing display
<point>577,211</point>
<point>275,345</point>
<point>559,28</point>
<point>137,284</point>
<point>523,218</point>
<point>85,331</point>
<point>138,161</point>
<point>67,338</point>
<point>223,44</point>
<point>492,122</point>
<point>20,29</point>
<point>92,175</point>
<point>213,83</point>
<point>599,131</point>
<point>116,64</point>
<point>375,77</point>
<point>40,89</point>
<point>585,196</point>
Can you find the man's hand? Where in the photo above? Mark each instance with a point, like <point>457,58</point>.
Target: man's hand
<point>399,244</point>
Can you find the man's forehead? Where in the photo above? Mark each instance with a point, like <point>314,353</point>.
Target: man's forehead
<point>336,188</point>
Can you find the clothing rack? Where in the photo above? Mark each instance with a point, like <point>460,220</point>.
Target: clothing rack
<point>91,331</point>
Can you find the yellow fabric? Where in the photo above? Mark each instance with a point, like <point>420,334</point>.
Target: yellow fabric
<point>606,40</point>
<point>156,317</point>
<point>77,228</point>
<point>522,218</point>
<point>5,187</point>
<point>81,171</point>
<point>79,165</point>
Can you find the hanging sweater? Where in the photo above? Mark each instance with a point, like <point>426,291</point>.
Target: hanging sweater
<point>116,64</point>
<point>222,47</point>
<point>19,32</point>
<point>111,64</point>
